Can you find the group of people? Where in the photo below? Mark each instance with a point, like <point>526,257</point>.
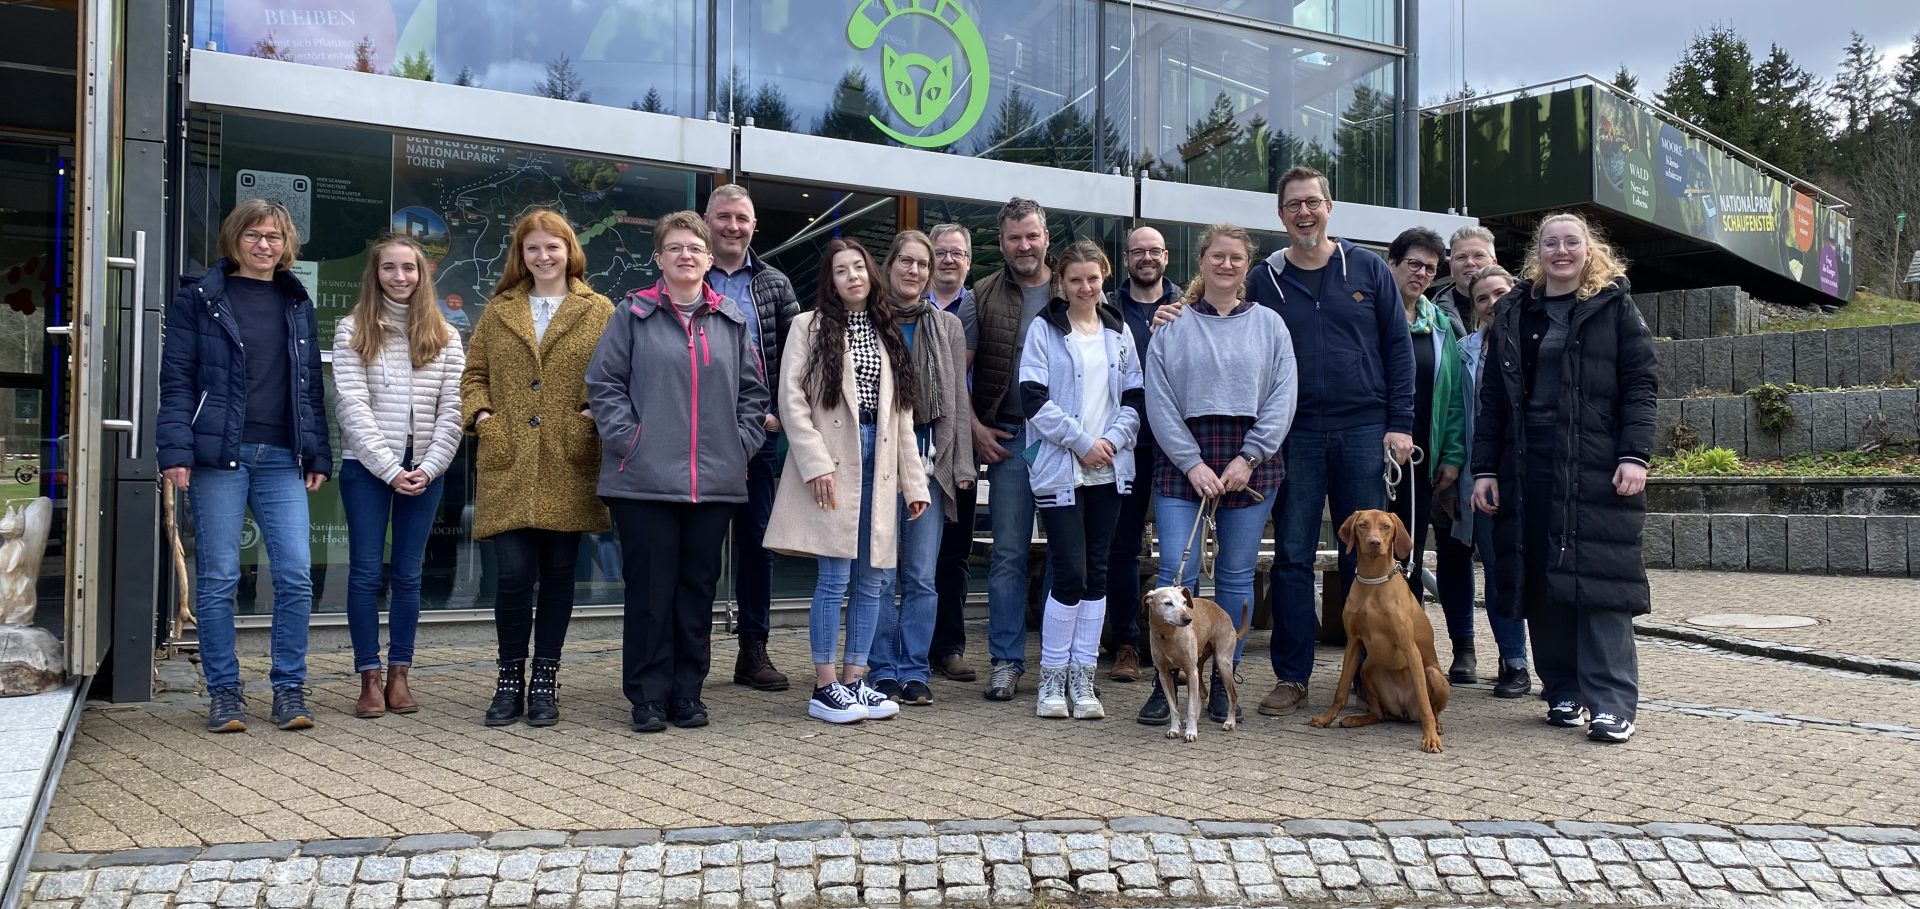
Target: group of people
<point>1513,416</point>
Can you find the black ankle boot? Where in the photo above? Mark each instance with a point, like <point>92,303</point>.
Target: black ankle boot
<point>1465,669</point>
<point>1217,701</point>
<point>509,693</point>
<point>543,692</point>
<point>1156,710</point>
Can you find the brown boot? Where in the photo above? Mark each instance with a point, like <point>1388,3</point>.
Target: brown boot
<point>754,668</point>
<point>1126,664</point>
<point>399,696</point>
<point>954,666</point>
<point>373,697</point>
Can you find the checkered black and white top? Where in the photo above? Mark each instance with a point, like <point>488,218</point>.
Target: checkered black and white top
<point>864,344</point>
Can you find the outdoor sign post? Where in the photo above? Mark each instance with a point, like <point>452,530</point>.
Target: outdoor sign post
<point>1893,261</point>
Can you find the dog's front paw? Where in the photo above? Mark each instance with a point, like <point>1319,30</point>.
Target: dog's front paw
<point>1192,735</point>
<point>1174,733</point>
<point>1322,721</point>
<point>1230,725</point>
<point>1430,744</point>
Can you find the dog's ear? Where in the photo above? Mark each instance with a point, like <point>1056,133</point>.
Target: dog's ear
<point>1186,597</point>
<point>1346,530</point>
<point>1402,540</point>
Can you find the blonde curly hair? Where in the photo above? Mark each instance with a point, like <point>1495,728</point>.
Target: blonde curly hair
<point>1603,263</point>
<point>1197,288</point>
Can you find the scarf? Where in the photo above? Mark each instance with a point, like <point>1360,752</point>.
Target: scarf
<point>941,387</point>
<point>1425,316</point>
<point>930,360</point>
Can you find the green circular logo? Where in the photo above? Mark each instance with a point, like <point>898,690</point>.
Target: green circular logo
<point>920,86</point>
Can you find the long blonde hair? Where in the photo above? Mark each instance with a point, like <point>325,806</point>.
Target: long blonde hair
<point>548,221</point>
<point>1197,288</point>
<point>1603,264</point>
<point>427,328</point>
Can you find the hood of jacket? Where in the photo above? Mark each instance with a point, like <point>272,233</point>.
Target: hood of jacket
<point>1056,315</point>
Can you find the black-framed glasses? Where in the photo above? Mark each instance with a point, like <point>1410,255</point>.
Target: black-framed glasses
<point>1313,204</point>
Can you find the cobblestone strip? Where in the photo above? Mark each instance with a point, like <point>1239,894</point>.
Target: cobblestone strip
<point>1150,860</point>
<point>1794,653</point>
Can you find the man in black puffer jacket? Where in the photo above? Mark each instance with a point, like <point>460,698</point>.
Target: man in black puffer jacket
<point>767,298</point>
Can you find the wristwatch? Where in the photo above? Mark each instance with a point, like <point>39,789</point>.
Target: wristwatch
<point>1253,460</point>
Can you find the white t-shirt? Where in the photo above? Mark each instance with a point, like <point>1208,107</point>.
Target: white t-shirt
<point>1096,403</point>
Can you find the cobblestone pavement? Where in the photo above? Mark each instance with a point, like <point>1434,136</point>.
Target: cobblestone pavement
<point>1036,863</point>
<point>1867,618</point>
<point>1725,739</point>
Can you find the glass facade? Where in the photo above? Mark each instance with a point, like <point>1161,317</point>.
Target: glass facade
<point>1367,20</point>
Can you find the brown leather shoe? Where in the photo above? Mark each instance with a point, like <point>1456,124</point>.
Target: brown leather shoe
<point>399,696</point>
<point>754,669</point>
<point>373,696</point>
<point>1126,664</point>
<point>954,666</point>
<point>1284,699</point>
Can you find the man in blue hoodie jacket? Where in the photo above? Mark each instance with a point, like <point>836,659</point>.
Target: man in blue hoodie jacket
<point>1356,406</point>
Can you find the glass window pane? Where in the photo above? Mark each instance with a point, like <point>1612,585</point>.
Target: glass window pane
<point>1218,105</point>
<point>1367,20</point>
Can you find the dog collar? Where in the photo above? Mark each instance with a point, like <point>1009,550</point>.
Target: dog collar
<point>1381,579</point>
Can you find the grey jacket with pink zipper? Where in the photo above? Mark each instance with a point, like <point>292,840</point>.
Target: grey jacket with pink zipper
<point>678,400</point>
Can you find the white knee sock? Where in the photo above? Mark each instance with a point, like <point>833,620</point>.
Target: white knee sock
<point>1086,631</point>
<point>1057,632</point>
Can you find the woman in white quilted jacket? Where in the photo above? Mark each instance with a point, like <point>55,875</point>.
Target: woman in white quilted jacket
<point>396,375</point>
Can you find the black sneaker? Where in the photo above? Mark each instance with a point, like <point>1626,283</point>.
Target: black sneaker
<point>1514,682</point>
<point>889,687</point>
<point>1156,710</point>
<point>1610,728</point>
<point>290,709</point>
<point>1217,702</point>
<point>1568,714</point>
<point>224,711</point>
<point>916,693</point>
<point>650,717</point>
<point>834,703</point>
<point>687,713</point>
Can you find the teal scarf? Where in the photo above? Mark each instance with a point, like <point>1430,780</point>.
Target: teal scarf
<point>1426,315</point>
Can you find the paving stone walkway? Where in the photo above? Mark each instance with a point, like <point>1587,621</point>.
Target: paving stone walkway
<point>1869,620</point>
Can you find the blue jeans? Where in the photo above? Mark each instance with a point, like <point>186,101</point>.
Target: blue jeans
<point>1239,531</point>
<point>1510,635</point>
<point>752,563</point>
<point>870,585</point>
<point>905,632</point>
<point>372,507</point>
<point>1010,506</point>
<point>1339,470</point>
<point>268,480</point>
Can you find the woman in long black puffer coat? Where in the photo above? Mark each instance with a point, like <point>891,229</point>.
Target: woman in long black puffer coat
<point>1560,459</point>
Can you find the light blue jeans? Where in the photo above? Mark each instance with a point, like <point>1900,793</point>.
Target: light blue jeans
<point>269,481</point>
<point>1010,503</point>
<point>871,586</point>
<point>906,628</point>
<point>1239,534</point>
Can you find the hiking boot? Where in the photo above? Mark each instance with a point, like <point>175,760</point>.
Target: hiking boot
<point>1217,701</point>
<point>1080,693</point>
<point>290,709</point>
<point>509,693</point>
<point>224,711</point>
<point>399,693</point>
<point>954,667</point>
<point>754,669</point>
<point>373,696</point>
<point>1284,699</point>
<point>543,693</point>
<point>1052,702</point>
<point>1514,682</point>
<point>1465,669</point>
<point>1004,682</point>
<point>1156,710</point>
<point>1126,664</point>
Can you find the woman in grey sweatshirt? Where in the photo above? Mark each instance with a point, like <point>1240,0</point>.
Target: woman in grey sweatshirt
<point>1221,387</point>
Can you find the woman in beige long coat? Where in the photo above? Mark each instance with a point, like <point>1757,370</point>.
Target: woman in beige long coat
<point>847,390</point>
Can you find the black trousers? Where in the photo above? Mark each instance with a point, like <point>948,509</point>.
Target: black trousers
<point>526,558</point>
<point>1583,655</point>
<point>1079,536</point>
<point>951,578</point>
<point>1123,557</point>
<point>670,553</point>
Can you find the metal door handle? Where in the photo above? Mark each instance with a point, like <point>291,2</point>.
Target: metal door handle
<point>138,265</point>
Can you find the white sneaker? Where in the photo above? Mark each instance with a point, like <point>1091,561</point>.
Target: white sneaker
<point>879,706</point>
<point>1052,702</point>
<point>1086,705</point>
<point>836,704</point>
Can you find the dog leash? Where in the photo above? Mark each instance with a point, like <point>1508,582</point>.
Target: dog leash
<point>1393,474</point>
<point>1210,542</point>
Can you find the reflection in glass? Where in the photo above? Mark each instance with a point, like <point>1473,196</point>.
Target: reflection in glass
<point>1367,20</point>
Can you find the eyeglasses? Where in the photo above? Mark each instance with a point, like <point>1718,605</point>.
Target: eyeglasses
<point>255,238</point>
<point>1313,204</point>
<point>911,262</point>
<point>675,250</point>
<point>1420,268</point>
<point>1571,244</point>
<point>952,255</point>
<point>1234,259</point>
<point>1147,252</point>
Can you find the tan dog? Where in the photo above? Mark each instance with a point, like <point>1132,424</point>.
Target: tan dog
<point>1187,630</point>
<point>1402,676</point>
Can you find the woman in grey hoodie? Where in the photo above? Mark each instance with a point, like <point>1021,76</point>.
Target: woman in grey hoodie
<point>1221,388</point>
<point>1080,385</point>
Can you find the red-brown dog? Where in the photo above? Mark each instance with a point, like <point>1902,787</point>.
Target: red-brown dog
<point>1402,676</point>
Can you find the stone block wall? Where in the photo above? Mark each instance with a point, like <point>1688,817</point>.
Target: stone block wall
<point>1707,312</point>
<point>1879,545</point>
<point>1821,358</point>
<point>1822,421</point>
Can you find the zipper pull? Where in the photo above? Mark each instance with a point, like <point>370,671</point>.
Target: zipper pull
<point>706,356</point>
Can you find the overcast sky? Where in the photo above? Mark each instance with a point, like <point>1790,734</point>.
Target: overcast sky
<point>1510,43</point>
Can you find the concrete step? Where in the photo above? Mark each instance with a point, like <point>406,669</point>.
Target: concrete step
<point>1822,421</point>
<point>1817,358</point>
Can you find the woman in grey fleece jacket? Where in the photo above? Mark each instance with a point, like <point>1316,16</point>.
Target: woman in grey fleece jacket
<point>1080,386</point>
<point>1221,388</point>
